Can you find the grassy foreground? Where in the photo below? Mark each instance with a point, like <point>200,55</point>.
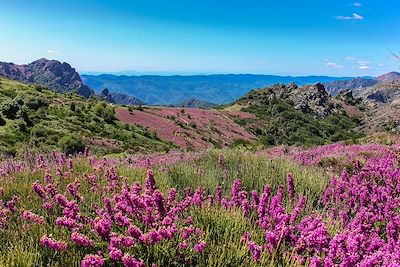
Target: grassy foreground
<point>221,227</point>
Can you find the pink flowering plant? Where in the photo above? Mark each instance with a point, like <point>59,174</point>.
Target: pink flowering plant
<point>220,209</point>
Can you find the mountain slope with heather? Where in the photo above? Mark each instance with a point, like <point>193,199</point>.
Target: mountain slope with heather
<point>53,74</point>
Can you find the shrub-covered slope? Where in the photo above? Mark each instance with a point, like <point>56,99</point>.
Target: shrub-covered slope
<point>35,117</point>
<point>288,114</point>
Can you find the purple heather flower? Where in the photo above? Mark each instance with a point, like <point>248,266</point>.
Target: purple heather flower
<point>32,217</point>
<point>53,244</point>
<point>81,239</point>
<point>218,194</point>
<point>255,250</point>
<point>134,231</point>
<point>86,152</point>
<point>130,261</point>
<point>102,226</point>
<point>115,254</point>
<point>159,204</point>
<point>48,178</point>
<point>150,183</point>
<point>290,187</point>
<point>37,187</point>
<point>200,247</point>
<point>92,261</point>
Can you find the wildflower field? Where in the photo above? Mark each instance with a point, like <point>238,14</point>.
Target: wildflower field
<point>334,205</point>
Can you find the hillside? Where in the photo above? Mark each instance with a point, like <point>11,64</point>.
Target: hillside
<point>169,90</point>
<point>383,100</point>
<point>189,127</point>
<point>33,117</point>
<point>334,87</point>
<point>288,114</point>
<point>53,74</point>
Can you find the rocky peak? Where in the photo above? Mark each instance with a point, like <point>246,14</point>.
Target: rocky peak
<point>53,74</point>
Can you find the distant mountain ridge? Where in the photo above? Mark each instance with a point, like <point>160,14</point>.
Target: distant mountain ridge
<point>389,77</point>
<point>169,90</point>
<point>334,87</point>
<point>195,103</point>
<point>53,74</point>
<point>123,99</point>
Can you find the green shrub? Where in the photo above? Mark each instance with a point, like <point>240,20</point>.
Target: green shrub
<point>71,145</point>
<point>2,121</point>
<point>107,112</point>
<point>10,108</point>
<point>36,103</point>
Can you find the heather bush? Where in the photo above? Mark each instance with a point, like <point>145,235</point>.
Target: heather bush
<point>221,208</point>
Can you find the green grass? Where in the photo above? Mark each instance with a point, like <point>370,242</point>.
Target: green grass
<point>222,228</point>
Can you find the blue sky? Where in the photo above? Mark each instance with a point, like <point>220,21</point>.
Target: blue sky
<point>308,37</point>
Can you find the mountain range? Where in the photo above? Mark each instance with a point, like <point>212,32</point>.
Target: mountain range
<point>307,113</point>
<point>186,91</point>
<point>170,90</point>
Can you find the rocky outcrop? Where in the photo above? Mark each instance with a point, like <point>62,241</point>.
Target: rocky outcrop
<point>314,99</point>
<point>53,74</point>
<point>310,99</point>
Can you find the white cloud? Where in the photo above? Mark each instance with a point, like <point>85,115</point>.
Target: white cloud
<point>51,51</point>
<point>363,67</point>
<point>343,18</point>
<point>261,61</point>
<point>333,65</point>
<point>381,65</point>
<point>350,58</point>
<point>357,16</point>
<point>364,62</point>
<point>357,4</point>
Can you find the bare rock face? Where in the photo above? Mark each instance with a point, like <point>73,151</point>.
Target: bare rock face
<point>53,74</point>
<point>313,99</point>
